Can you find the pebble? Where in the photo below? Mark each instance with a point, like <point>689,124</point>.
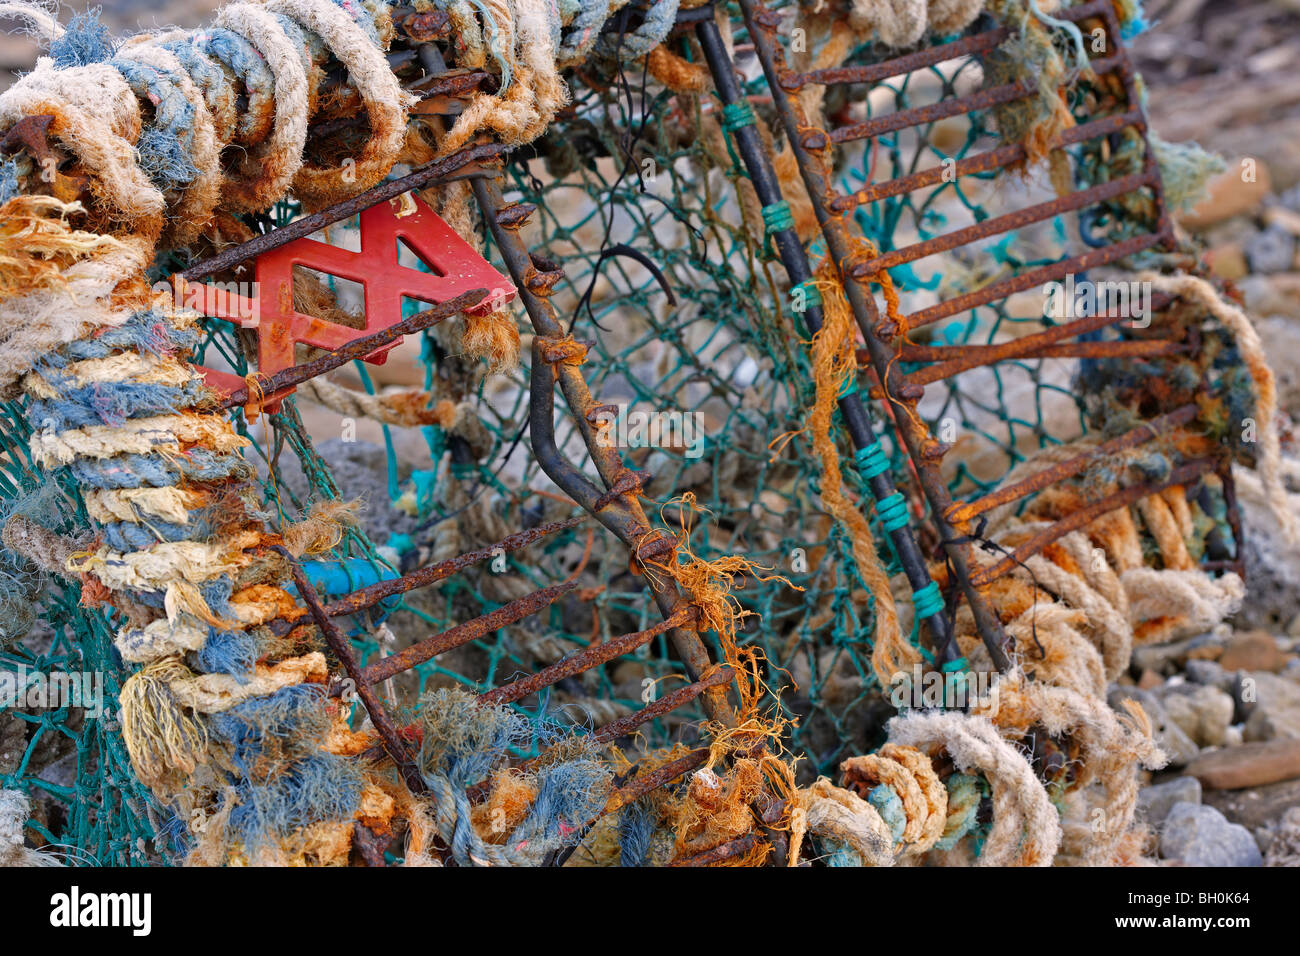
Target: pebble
<point>1197,835</point>
<point>1284,849</point>
<point>1210,673</point>
<point>1157,800</point>
<point>1228,195</point>
<point>1270,250</point>
<point>1150,680</point>
<point>1253,651</point>
<point>1228,261</point>
<point>1250,765</point>
<point>1163,657</point>
<point>1275,710</point>
<point>1257,806</point>
<point>1203,713</point>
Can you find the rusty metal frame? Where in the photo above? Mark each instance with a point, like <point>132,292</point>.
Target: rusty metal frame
<point>883,350</point>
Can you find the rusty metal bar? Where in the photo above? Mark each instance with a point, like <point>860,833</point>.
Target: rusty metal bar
<point>1034,277</point>
<point>583,660</point>
<point>1094,350</point>
<point>898,66</point>
<point>643,783</point>
<point>371,595</point>
<point>1011,349</point>
<point>429,648</point>
<point>1128,77</point>
<point>720,676</point>
<point>945,109</point>
<point>723,851</point>
<point>1001,224</point>
<point>1147,431</point>
<point>933,112</point>
<point>356,349</point>
<point>342,649</point>
<point>984,162</point>
<point>460,165</point>
<point>1085,515</point>
<point>1224,472</point>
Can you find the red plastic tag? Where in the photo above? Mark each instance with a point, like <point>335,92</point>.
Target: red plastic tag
<point>456,268</point>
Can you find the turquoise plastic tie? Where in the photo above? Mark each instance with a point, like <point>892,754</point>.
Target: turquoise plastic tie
<point>952,667</point>
<point>778,217</point>
<point>872,460</point>
<point>928,601</point>
<point>893,512</point>
<point>736,115</point>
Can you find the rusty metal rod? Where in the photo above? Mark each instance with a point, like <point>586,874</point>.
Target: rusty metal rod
<point>1094,350</point>
<point>371,595</point>
<point>1147,431</point>
<point>643,783</point>
<point>342,649</point>
<point>992,159</point>
<point>453,167</point>
<point>933,112</point>
<point>720,676</point>
<point>723,851</point>
<point>1034,277</point>
<point>908,63</point>
<point>1085,515</point>
<point>584,660</point>
<point>429,648</point>
<point>999,225</point>
<point>356,349</point>
<point>1010,349</point>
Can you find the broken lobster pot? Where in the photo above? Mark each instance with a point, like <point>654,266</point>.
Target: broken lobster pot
<point>385,226</point>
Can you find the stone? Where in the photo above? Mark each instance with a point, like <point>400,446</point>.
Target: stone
<point>1210,674</point>
<point>1250,765</point>
<point>1228,261</point>
<point>1271,704</point>
<point>1271,250</point>
<point>1282,217</point>
<point>1290,199</point>
<point>1150,680</point>
<point>1164,658</point>
<point>1257,806</point>
<point>1203,713</point>
<point>1253,651</point>
<point>1197,835</point>
<point>1171,738</point>
<point>1156,800</point>
<point>1229,194</point>
<point>1284,849</point>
